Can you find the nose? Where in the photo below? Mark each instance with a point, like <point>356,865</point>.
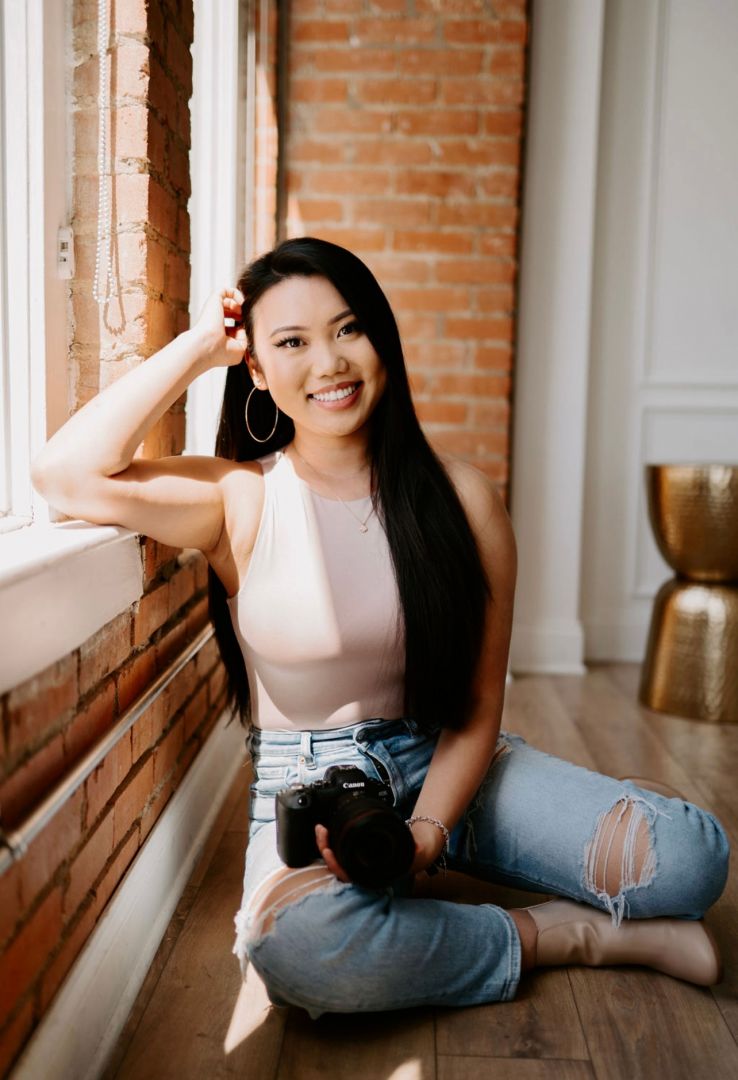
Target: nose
<point>328,361</point>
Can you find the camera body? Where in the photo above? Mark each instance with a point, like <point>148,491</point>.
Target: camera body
<point>367,835</point>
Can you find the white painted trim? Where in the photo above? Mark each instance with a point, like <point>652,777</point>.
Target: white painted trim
<point>36,189</point>
<point>550,648</point>
<point>216,204</point>
<point>547,500</point>
<point>46,601</point>
<point>78,1034</point>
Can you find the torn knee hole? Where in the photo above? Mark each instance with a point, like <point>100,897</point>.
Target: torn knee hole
<point>282,889</point>
<point>620,854</point>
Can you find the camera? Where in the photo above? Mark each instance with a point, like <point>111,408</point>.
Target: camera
<point>367,835</point>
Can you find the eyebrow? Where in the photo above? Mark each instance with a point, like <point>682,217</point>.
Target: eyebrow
<point>335,319</point>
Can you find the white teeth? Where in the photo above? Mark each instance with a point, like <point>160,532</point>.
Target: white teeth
<point>336,395</point>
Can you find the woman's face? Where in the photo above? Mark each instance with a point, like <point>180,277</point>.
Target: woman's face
<point>318,364</point>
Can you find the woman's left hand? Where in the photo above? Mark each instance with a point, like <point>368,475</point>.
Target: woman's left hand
<point>428,845</point>
<point>321,839</point>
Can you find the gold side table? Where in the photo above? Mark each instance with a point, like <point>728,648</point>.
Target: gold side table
<point>691,664</point>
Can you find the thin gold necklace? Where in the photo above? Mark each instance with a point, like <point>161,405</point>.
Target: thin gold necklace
<point>363,527</point>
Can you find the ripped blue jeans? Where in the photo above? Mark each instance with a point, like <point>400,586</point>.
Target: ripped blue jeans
<point>536,823</point>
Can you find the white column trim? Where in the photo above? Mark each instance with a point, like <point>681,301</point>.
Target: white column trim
<point>550,422</point>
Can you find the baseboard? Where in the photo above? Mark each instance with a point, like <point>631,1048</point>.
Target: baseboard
<point>77,1035</point>
<point>548,647</point>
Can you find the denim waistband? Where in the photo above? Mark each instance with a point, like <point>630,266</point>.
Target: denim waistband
<point>377,727</point>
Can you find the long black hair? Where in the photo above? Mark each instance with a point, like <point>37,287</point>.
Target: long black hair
<point>442,584</point>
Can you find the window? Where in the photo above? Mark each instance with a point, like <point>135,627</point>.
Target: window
<point>34,197</point>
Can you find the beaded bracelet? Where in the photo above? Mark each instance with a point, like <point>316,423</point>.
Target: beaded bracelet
<point>440,860</point>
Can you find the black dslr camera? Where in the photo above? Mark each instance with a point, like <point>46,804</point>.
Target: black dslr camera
<point>367,835</point>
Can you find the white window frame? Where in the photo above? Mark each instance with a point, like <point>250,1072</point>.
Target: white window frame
<point>46,605</point>
<point>34,196</point>
<point>222,202</point>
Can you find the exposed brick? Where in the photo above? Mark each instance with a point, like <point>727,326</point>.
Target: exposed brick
<point>472,444</point>
<point>113,875</point>
<point>442,61</point>
<point>493,358</point>
<point>404,212</point>
<point>107,777</point>
<point>444,412</point>
<point>153,611</point>
<point>359,240</point>
<point>72,945</point>
<point>475,271</point>
<point>197,617</point>
<point>437,183</point>
<point>493,329</point>
<point>396,91</point>
<point>30,781</point>
<point>26,955</point>
<point>134,678</point>
<point>147,729</point>
<point>50,849</point>
<point>10,901</point>
<point>15,1035</point>
<point>104,652</point>
<point>479,214</point>
<point>478,386</point>
<point>438,121</point>
<point>318,91</point>
<point>446,298</point>
<point>132,799</point>
<point>166,753</point>
<point>348,181</point>
<point>487,91</point>
<point>338,121</point>
<point>319,30</point>
<point>37,705</point>
<point>343,60</point>
<point>88,865</point>
<point>487,31</point>
<point>84,730</point>
<point>154,809</point>
<point>195,712</point>
<point>380,31</point>
<point>433,241</point>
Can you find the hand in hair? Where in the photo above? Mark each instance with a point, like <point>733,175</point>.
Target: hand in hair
<point>223,345</point>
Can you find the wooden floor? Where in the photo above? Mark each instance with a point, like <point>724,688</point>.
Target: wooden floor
<point>194,1019</point>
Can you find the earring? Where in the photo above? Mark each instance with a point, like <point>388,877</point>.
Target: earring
<point>248,426</point>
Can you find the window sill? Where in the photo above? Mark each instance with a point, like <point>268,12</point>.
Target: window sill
<point>59,584</point>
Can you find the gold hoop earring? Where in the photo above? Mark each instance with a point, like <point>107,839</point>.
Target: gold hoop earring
<point>248,426</point>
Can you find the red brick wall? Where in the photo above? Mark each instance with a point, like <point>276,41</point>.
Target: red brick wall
<point>51,898</point>
<point>404,135</point>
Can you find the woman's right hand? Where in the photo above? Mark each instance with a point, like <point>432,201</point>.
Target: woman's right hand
<point>223,345</point>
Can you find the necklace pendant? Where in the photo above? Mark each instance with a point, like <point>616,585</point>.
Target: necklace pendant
<point>364,528</point>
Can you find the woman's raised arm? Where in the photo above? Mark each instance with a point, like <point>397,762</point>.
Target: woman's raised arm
<point>87,470</point>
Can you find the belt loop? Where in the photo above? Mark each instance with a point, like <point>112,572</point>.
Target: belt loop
<point>306,752</point>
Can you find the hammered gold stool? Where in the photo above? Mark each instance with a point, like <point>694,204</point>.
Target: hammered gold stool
<point>691,665</point>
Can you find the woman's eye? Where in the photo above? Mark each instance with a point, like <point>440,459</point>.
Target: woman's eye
<point>290,342</point>
<point>350,326</point>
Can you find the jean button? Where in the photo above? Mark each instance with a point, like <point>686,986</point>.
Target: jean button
<point>302,760</point>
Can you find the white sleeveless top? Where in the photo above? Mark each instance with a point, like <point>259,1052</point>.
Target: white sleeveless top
<point>318,617</point>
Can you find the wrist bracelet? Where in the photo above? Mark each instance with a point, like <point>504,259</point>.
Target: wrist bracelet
<point>438,824</point>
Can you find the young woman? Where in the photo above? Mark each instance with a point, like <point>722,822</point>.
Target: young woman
<point>361,588</point>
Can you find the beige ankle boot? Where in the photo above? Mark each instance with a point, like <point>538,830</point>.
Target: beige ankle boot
<point>573,933</point>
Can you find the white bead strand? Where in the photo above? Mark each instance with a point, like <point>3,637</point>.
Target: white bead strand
<point>102,292</point>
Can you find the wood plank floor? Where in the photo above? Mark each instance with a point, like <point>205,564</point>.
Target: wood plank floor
<point>195,1019</point>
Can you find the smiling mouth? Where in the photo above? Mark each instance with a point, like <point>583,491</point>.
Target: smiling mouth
<point>337,395</point>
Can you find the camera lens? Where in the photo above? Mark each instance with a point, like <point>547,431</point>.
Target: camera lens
<point>371,842</point>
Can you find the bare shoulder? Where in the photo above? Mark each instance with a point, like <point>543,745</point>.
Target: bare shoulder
<point>487,515</point>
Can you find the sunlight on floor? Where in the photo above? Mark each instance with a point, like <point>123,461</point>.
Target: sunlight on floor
<point>252,1007</point>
